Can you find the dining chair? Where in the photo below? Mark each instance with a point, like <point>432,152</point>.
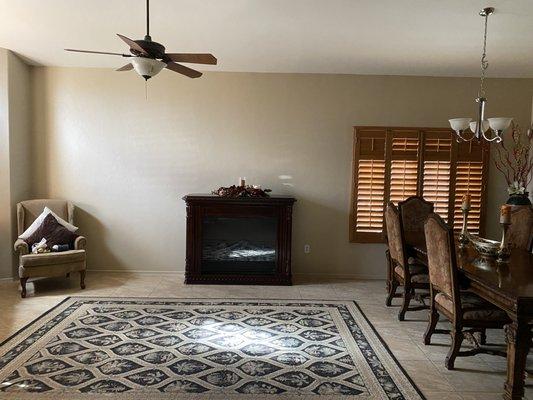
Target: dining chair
<point>413,213</point>
<point>520,233</point>
<point>467,312</point>
<point>403,271</point>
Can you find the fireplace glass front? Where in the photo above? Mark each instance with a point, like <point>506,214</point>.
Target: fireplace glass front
<point>239,245</point>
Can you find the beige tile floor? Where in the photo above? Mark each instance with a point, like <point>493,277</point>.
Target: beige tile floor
<point>476,378</point>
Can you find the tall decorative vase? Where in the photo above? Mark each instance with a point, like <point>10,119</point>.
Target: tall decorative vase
<point>519,199</point>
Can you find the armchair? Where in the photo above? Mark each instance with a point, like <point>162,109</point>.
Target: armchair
<point>47,264</point>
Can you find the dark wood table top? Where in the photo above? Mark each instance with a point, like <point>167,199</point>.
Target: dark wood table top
<point>511,280</point>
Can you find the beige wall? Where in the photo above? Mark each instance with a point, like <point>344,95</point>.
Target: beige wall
<point>127,161</point>
<point>5,189</point>
<point>15,156</point>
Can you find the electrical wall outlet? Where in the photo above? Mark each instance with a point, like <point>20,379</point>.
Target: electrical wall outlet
<point>307,248</point>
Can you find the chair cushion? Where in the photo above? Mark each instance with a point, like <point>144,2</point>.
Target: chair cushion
<point>65,257</point>
<point>473,306</point>
<point>419,272</point>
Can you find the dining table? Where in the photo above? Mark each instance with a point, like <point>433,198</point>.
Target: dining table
<point>509,286</point>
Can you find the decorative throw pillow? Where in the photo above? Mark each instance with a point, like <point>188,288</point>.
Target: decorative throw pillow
<point>66,224</point>
<point>53,232</point>
<point>34,226</point>
<point>39,220</point>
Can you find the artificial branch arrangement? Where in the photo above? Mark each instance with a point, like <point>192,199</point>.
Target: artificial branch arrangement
<point>242,191</point>
<point>515,160</point>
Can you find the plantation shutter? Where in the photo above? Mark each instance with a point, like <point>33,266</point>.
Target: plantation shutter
<point>403,165</point>
<point>437,159</point>
<point>471,174</point>
<point>369,186</point>
<point>392,164</point>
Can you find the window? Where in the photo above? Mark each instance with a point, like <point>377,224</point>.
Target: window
<point>391,164</point>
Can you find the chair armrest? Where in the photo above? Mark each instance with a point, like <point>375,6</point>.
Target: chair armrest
<point>21,247</point>
<point>80,243</point>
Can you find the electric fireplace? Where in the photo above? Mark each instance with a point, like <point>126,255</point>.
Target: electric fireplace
<point>238,240</point>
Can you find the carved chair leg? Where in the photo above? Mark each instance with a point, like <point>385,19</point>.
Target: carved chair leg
<point>392,292</point>
<point>405,304</point>
<point>432,323</point>
<point>23,287</point>
<point>82,279</point>
<point>457,339</point>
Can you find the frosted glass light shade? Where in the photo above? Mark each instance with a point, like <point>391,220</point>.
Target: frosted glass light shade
<point>147,67</point>
<point>500,124</point>
<point>459,124</point>
<point>484,126</point>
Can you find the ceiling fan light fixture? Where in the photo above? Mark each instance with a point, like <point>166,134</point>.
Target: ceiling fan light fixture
<point>147,67</point>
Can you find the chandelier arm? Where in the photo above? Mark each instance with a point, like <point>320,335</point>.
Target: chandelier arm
<point>496,138</point>
<point>459,135</point>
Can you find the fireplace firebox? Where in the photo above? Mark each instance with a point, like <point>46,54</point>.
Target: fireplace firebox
<point>238,240</point>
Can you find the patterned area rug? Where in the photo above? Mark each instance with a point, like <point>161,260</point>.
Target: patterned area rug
<point>136,348</point>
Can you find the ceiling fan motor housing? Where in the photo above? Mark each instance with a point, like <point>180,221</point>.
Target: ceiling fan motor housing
<point>154,49</point>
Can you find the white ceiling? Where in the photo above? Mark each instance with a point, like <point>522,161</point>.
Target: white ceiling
<point>392,37</point>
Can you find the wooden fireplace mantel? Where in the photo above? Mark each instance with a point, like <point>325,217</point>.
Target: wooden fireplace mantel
<point>201,206</point>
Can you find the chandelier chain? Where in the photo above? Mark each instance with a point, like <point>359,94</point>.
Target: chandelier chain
<point>484,62</point>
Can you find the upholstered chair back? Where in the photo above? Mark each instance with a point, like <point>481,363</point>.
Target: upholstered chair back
<point>29,210</point>
<point>521,229</point>
<point>413,213</point>
<point>441,258</point>
<point>394,235</point>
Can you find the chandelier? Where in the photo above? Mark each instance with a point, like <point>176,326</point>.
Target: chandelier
<point>480,127</point>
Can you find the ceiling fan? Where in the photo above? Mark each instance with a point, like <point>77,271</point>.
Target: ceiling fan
<point>148,58</point>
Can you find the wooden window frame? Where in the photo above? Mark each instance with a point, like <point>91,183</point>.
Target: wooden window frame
<point>458,152</point>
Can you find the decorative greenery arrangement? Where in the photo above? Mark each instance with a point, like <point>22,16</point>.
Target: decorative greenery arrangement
<point>515,162</point>
<point>241,191</point>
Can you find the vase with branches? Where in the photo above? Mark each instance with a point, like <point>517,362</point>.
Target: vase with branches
<point>515,161</point>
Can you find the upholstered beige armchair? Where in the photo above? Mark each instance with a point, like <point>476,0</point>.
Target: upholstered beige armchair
<point>47,264</point>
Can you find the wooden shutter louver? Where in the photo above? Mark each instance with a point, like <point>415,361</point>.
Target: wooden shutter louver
<point>369,186</point>
<point>437,185</point>
<point>404,167</point>
<point>471,172</point>
<point>469,179</point>
<point>436,174</point>
<point>370,193</point>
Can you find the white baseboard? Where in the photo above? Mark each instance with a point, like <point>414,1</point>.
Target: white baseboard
<point>134,271</point>
<point>317,276</point>
<point>298,275</point>
<point>322,276</point>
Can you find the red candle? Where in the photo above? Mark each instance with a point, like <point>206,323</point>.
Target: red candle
<point>505,214</point>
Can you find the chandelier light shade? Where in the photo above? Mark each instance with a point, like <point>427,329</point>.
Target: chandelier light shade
<point>147,67</point>
<point>480,126</point>
<point>484,126</point>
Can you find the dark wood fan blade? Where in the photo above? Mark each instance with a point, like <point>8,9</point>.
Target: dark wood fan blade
<point>194,58</point>
<point>99,52</point>
<point>126,67</point>
<point>133,45</point>
<point>182,69</point>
